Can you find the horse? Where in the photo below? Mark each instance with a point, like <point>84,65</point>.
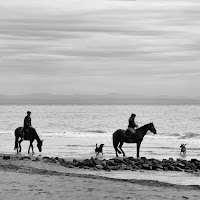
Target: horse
<point>119,137</point>
<point>31,136</point>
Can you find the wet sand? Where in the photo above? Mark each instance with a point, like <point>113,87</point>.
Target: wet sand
<point>22,179</point>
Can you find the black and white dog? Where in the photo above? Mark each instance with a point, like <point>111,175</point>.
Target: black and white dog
<point>183,149</point>
<point>99,149</point>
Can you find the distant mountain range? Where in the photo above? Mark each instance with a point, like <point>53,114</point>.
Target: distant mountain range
<point>119,99</point>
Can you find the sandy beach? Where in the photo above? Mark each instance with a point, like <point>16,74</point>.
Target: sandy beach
<point>37,179</point>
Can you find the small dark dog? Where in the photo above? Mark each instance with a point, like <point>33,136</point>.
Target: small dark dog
<point>183,149</point>
<point>99,149</point>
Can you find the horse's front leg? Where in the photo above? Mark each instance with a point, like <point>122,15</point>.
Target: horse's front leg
<point>30,146</point>
<point>120,147</point>
<point>138,149</point>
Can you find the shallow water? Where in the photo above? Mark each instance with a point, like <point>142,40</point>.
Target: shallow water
<point>73,131</point>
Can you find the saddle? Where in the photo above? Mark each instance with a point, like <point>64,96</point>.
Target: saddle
<point>25,133</point>
<point>129,132</point>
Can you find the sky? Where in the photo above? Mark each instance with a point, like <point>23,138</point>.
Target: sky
<point>141,47</point>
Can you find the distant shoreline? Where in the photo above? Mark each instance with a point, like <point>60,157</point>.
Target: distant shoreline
<point>79,99</point>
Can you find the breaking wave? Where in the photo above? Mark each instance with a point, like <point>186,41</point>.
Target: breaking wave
<point>186,135</point>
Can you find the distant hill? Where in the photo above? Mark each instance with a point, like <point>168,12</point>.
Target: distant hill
<point>119,99</point>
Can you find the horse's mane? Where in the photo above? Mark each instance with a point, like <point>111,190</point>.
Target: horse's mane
<point>141,127</point>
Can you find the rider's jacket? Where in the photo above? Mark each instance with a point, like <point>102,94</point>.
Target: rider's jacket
<point>131,123</point>
<point>27,122</point>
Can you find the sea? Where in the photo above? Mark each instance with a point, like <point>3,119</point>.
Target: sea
<point>72,131</point>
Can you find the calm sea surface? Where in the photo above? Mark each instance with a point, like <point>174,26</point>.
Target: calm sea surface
<point>73,130</point>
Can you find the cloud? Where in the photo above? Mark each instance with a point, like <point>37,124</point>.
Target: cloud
<point>66,45</point>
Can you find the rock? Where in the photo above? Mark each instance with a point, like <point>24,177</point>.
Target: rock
<point>6,157</point>
<point>158,169</point>
<point>177,169</point>
<point>127,161</point>
<point>155,161</point>
<point>52,160</point>
<point>181,165</point>
<point>186,170</point>
<point>75,161</point>
<point>118,160</point>
<point>111,162</point>
<point>146,166</point>
<point>130,158</point>
<point>194,160</point>
<point>171,168</point>
<point>98,162</point>
<point>86,162</point>
<point>165,168</point>
<point>70,166</point>
<point>92,160</point>
<point>45,157</point>
<point>35,159</point>
<point>159,166</point>
<point>114,167</point>
<point>171,160</point>
<point>99,166</point>
<point>141,161</point>
<point>86,167</point>
<point>127,168</point>
<point>25,157</point>
<point>106,167</point>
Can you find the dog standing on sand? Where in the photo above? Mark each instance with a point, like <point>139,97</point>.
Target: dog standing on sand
<point>183,149</point>
<point>99,149</point>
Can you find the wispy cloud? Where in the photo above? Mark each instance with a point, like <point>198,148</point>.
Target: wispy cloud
<point>100,44</point>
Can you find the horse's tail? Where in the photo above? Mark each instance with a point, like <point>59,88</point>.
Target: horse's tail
<point>16,139</point>
<point>116,141</point>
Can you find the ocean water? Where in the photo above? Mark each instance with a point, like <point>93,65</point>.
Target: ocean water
<point>72,131</point>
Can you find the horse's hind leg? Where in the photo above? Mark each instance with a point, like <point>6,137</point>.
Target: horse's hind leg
<point>120,147</point>
<point>20,148</point>
<point>115,144</point>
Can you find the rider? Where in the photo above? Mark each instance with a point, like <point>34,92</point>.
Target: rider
<point>27,123</point>
<point>131,125</point>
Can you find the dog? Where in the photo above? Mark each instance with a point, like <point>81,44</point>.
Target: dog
<point>99,149</point>
<point>183,149</point>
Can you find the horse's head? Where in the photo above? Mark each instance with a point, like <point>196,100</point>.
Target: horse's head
<point>39,145</point>
<point>152,128</point>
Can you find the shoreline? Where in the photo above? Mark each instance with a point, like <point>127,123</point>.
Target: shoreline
<point>22,177</point>
<point>39,165</point>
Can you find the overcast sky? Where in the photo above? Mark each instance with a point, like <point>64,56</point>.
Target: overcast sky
<point>142,47</point>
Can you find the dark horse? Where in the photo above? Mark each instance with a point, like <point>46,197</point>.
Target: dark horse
<point>31,136</point>
<point>137,137</point>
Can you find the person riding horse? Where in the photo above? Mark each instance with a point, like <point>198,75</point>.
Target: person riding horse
<point>27,124</point>
<point>131,125</point>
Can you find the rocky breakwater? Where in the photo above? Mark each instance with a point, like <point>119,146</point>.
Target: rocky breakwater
<point>128,163</point>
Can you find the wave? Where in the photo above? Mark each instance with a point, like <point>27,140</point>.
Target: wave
<point>186,135</point>
<point>96,131</point>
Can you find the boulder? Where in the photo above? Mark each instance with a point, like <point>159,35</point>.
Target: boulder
<point>25,157</point>
<point>6,157</point>
<point>114,167</point>
<point>99,166</point>
<point>146,166</point>
<point>111,162</point>
<point>178,169</point>
<point>119,160</point>
<point>181,165</point>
